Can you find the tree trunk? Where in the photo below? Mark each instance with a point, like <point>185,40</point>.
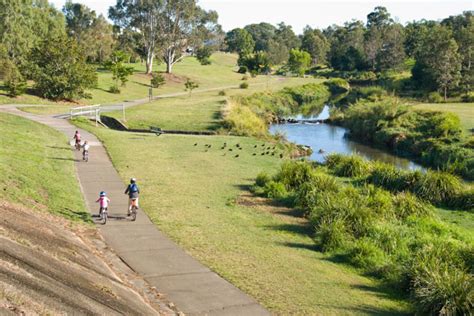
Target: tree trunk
<point>149,63</point>
<point>445,93</point>
<point>169,67</point>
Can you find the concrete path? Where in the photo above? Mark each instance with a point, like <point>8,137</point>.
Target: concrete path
<point>192,287</point>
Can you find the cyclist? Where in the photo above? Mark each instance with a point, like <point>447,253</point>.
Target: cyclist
<point>77,138</point>
<point>103,201</point>
<point>85,152</point>
<point>133,191</point>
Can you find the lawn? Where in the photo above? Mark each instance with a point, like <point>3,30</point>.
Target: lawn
<point>37,169</point>
<point>221,73</point>
<point>194,193</point>
<point>465,111</point>
<point>200,110</point>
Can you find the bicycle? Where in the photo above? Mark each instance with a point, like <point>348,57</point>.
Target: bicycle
<point>103,214</point>
<point>85,156</point>
<point>78,145</point>
<point>134,208</point>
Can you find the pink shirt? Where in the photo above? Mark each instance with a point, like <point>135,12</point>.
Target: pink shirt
<point>103,201</point>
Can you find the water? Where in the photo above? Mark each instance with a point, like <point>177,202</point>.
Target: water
<point>332,139</point>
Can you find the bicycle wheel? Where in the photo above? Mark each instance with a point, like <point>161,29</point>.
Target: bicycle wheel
<point>134,213</point>
<point>104,217</point>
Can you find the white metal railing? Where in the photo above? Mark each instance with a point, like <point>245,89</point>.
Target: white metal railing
<point>91,111</point>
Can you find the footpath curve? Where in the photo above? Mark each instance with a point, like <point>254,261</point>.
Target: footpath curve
<point>194,288</point>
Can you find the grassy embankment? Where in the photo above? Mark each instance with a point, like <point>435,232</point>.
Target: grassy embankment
<point>194,194</point>
<point>465,111</point>
<point>37,169</point>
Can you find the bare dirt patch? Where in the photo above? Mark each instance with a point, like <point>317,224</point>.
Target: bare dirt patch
<point>50,266</point>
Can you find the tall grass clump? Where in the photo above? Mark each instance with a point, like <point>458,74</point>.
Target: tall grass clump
<point>437,187</point>
<point>348,166</point>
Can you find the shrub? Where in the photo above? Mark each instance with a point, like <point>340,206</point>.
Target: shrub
<point>366,254</point>
<point>203,54</point>
<point>468,97</point>
<point>243,70</point>
<point>309,192</point>
<point>114,89</point>
<point>293,174</point>
<point>435,97</point>
<point>406,204</point>
<point>157,80</point>
<point>262,179</point>
<point>352,166</point>
<point>244,85</point>
<point>222,93</point>
<point>245,77</point>
<point>331,234</point>
<point>463,200</point>
<point>275,190</point>
<point>439,287</point>
<point>437,187</point>
<point>386,176</point>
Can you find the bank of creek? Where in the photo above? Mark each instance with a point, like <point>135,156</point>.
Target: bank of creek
<point>332,139</point>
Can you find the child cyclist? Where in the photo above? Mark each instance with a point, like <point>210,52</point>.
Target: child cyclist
<point>77,138</point>
<point>133,191</point>
<point>103,201</point>
<point>85,152</point>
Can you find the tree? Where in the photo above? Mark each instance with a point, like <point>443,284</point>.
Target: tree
<point>261,33</point>
<point>203,54</point>
<point>316,44</point>
<point>59,75</point>
<point>146,18</point>
<point>347,46</point>
<point>277,52</point>
<point>379,18</point>
<point>13,79</point>
<point>120,72</point>
<point>438,63</point>
<point>284,34</point>
<point>240,41</point>
<point>79,20</point>
<point>299,61</point>
<point>190,85</point>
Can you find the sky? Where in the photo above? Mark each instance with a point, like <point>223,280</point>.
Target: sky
<point>315,13</point>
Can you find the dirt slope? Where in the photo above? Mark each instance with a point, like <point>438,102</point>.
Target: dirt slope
<point>50,266</point>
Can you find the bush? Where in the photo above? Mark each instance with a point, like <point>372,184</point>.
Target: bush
<point>310,191</point>
<point>243,70</point>
<point>468,97</point>
<point>331,234</point>
<point>437,187</point>
<point>114,89</point>
<point>157,80</point>
<point>275,190</point>
<point>222,93</point>
<point>14,81</point>
<point>406,204</point>
<point>203,54</point>
<point>434,97</point>
<point>366,254</point>
<point>244,85</point>
<point>245,77</point>
<point>351,166</point>
<point>262,179</point>
<point>386,176</point>
<point>439,287</point>
<point>293,174</point>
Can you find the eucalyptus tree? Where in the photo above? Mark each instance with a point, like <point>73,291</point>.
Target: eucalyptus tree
<point>316,44</point>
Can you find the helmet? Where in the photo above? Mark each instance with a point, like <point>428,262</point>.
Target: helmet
<point>133,180</point>
<point>102,193</point>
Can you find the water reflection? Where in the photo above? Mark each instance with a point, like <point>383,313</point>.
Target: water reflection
<point>332,139</point>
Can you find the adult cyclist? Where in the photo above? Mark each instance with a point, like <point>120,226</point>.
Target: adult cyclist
<point>133,191</point>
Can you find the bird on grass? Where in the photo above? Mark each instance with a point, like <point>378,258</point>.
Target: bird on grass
<point>195,144</point>
<point>254,154</point>
<point>281,155</point>
<point>263,154</point>
<point>222,147</point>
<point>273,153</point>
<point>263,145</point>
<point>268,153</point>
<point>230,149</point>
<point>240,148</point>
<point>237,145</point>
<point>237,156</point>
<point>255,146</point>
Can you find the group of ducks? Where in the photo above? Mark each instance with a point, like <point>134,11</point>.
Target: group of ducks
<point>267,150</point>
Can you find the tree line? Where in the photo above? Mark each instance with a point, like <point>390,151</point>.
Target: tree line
<point>442,51</point>
<point>60,50</point>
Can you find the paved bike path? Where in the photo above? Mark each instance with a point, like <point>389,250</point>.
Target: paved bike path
<point>191,286</point>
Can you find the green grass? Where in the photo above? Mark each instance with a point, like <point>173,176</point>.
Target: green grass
<point>465,111</point>
<point>198,111</point>
<point>191,195</point>
<point>37,169</point>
